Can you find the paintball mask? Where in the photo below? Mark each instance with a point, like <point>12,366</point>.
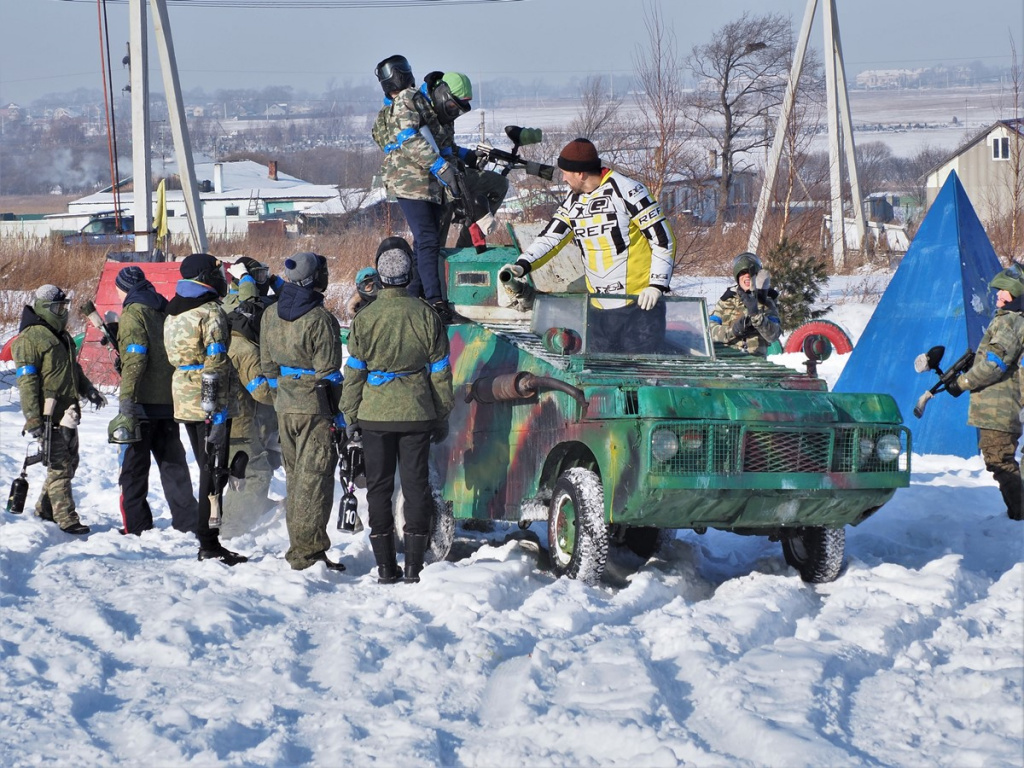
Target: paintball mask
<point>367,282</point>
<point>746,262</point>
<point>52,305</point>
<point>451,96</point>
<point>394,74</point>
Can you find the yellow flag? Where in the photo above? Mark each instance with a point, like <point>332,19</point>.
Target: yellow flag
<point>160,216</point>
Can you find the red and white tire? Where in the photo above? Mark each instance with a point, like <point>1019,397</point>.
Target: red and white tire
<point>840,340</point>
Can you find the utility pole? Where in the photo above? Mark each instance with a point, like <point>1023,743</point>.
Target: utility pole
<point>842,154</point>
<point>142,166</point>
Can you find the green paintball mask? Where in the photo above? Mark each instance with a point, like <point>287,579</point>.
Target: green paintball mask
<point>52,305</point>
<point>746,262</point>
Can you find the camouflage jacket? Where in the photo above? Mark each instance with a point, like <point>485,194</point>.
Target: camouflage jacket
<point>398,376</point>
<point>251,386</point>
<point>46,366</point>
<point>145,371</point>
<point>994,379</point>
<point>300,334</point>
<point>765,327</point>
<point>409,154</point>
<point>196,339</point>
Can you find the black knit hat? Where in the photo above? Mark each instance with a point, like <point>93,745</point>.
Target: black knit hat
<point>579,155</point>
<point>129,277</point>
<point>198,264</point>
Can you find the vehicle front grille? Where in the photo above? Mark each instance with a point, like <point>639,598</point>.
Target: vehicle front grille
<point>714,448</point>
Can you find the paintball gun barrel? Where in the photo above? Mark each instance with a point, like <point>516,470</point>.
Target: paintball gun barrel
<point>509,161</point>
<point>929,361</point>
<point>37,451</point>
<point>108,331</point>
<point>208,398</point>
<point>327,404</point>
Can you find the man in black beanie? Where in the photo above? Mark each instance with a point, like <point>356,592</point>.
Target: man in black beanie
<point>145,425</point>
<point>398,394</point>
<point>627,245</point>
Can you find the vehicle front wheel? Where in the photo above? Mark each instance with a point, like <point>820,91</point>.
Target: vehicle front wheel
<point>817,553</point>
<point>577,533</point>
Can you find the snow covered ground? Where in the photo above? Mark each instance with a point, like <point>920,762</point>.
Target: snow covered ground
<point>127,651</point>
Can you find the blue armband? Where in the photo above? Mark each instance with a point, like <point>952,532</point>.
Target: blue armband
<point>438,164</point>
<point>247,279</point>
<point>216,348</point>
<point>334,377</point>
<point>715,319</point>
<point>219,417</point>
<point>137,349</point>
<point>439,366</point>
<point>992,357</point>
<point>464,153</point>
<point>26,370</point>
<point>253,385</point>
<point>356,364</point>
<point>400,139</point>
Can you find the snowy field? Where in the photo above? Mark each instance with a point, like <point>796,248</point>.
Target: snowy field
<point>127,651</point>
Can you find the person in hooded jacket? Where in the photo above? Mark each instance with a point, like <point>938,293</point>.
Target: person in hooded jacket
<point>746,317</point>
<point>367,284</point>
<point>196,340</point>
<point>300,346</point>
<point>398,396</point>
<point>145,425</point>
<point>245,502</point>
<point>47,367</point>
<point>994,383</point>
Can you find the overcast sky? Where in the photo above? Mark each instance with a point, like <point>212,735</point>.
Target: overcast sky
<point>52,45</point>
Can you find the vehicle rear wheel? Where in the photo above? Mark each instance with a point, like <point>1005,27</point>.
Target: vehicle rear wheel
<point>577,533</point>
<point>643,541</point>
<point>817,553</point>
<point>442,523</point>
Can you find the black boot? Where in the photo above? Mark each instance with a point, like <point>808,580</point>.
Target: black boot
<point>383,545</point>
<point>415,546</point>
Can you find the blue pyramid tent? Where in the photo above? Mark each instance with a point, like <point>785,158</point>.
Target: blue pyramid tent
<point>938,295</point>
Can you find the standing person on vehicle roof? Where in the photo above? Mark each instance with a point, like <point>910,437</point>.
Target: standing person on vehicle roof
<point>996,384</point>
<point>145,424</point>
<point>747,317</point>
<point>196,340</point>
<point>414,171</point>
<point>300,346</point>
<point>449,94</point>
<point>47,368</point>
<point>398,394</point>
<point>627,244</point>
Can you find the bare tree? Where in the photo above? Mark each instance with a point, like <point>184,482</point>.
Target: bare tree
<point>662,131</point>
<point>740,78</point>
<point>598,116</point>
<point>1016,156</point>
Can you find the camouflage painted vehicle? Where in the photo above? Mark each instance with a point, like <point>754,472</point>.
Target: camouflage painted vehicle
<point>616,447</point>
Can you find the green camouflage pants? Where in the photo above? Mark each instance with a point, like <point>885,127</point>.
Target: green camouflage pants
<point>243,509</point>
<point>56,502</point>
<point>999,449</point>
<point>310,460</point>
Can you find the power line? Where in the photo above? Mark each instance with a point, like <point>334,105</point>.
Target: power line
<point>307,4</point>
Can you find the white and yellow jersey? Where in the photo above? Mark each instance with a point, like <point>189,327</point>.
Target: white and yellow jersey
<point>626,240</point>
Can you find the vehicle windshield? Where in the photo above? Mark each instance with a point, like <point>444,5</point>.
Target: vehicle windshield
<point>578,324</point>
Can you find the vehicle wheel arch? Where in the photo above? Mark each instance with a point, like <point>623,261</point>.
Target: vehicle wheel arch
<point>562,457</point>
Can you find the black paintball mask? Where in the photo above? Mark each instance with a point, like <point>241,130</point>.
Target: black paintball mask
<point>447,106</point>
<point>394,74</point>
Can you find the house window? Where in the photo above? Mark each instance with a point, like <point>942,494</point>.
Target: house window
<point>231,210</point>
<point>1001,148</point>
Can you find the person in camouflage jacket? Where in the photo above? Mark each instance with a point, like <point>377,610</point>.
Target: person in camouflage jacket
<point>746,317</point>
<point>406,129</point>
<point>398,394</point>
<point>245,505</point>
<point>994,382</point>
<point>196,340</point>
<point>300,345</point>
<point>47,367</point>
<point>147,410</point>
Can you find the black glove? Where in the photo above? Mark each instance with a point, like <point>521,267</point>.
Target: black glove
<point>742,327</point>
<point>353,432</point>
<point>439,431</point>
<point>446,174</point>
<point>97,398</point>
<point>218,436</point>
<point>749,299</point>
<point>954,388</point>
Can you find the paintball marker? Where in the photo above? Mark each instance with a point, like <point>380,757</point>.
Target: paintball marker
<point>327,404</point>
<point>108,330</point>
<point>37,451</point>
<point>349,467</point>
<point>929,361</point>
<point>509,161</point>
<point>209,397</point>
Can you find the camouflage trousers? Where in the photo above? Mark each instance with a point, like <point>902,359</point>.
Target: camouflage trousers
<point>310,459</point>
<point>998,449</point>
<point>244,508</point>
<point>56,502</point>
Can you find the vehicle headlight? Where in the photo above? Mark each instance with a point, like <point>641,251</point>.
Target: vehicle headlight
<point>664,444</point>
<point>867,447</point>
<point>888,448</point>
<point>691,441</point>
